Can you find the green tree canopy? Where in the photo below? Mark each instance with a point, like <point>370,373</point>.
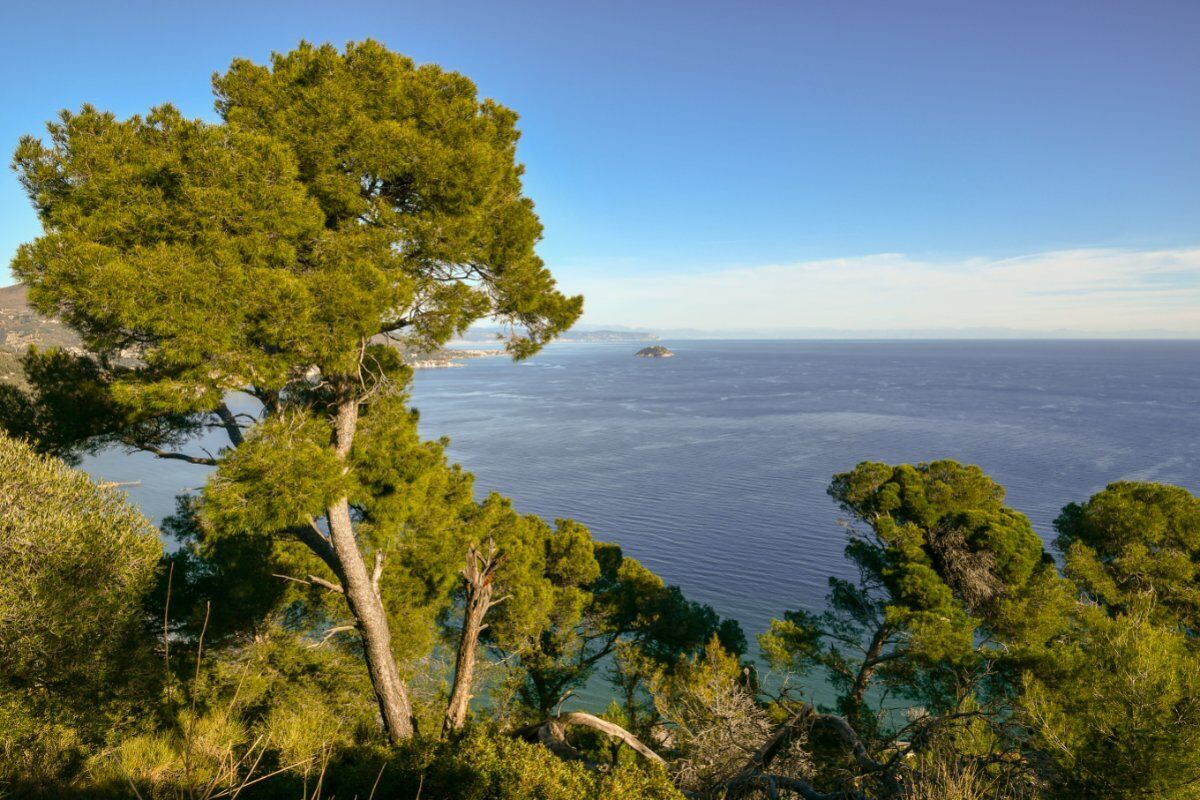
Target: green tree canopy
<point>1137,541</point>
<point>345,194</point>
<point>568,600</point>
<point>943,566</point>
<point>1119,716</point>
<point>591,600</point>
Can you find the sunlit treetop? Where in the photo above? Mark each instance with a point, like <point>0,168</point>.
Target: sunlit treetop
<point>939,531</point>
<point>948,576</point>
<point>1137,543</point>
<point>345,195</point>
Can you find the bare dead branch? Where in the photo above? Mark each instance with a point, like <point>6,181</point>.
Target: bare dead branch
<point>754,777</point>
<point>329,634</point>
<point>312,580</point>
<point>552,733</point>
<point>478,577</point>
<point>377,572</point>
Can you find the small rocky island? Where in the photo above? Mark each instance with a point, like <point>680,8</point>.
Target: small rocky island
<point>655,351</point>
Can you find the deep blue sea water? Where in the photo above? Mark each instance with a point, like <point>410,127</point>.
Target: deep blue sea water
<point>711,467</point>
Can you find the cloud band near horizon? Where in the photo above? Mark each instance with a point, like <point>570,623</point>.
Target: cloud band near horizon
<point>1092,291</point>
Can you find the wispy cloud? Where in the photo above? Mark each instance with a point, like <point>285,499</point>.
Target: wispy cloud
<point>1095,291</point>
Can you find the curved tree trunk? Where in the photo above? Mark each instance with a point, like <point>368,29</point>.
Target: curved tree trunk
<point>871,659</point>
<point>362,596</point>
<point>371,617</point>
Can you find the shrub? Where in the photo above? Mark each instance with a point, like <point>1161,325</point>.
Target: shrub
<point>484,765</point>
<point>77,561</point>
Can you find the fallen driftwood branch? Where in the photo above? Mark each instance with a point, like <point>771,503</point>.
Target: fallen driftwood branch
<point>552,733</point>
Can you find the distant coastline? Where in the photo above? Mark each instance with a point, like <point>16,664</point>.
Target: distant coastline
<point>492,334</point>
<point>21,327</point>
<point>449,358</point>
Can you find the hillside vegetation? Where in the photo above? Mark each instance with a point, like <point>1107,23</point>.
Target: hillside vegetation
<point>21,327</point>
<point>336,613</point>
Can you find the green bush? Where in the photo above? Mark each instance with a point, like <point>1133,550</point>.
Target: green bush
<point>76,660</point>
<point>77,559</point>
<point>1121,720</point>
<point>485,765</point>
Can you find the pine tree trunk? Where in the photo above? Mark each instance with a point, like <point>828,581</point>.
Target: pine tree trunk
<point>858,690</point>
<point>363,598</point>
<point>477,578</point>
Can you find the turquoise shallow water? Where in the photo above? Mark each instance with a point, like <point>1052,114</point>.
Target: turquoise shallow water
<point>711,467</point>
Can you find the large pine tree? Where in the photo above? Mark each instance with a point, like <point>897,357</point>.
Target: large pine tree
<point>346,198</point>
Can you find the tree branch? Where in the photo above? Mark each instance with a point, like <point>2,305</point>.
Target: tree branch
<point>313,580</point>
<point>203,461</point>
<point>329,634</point>
<point>269,398</point>
<point>377,573</point>
<point>230,423</point>
<point>552,733</point>
<point>478,577</point>
<point>851,739</point>
<point>752,777</point>
<point>312,537</point>
<point>395,325</point>
<point>324,584</point>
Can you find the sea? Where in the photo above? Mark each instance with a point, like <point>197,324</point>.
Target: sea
<point>711,467</point>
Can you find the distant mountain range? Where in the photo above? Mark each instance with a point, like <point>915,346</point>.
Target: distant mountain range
<point>491,334</point>
<point>894,334</point>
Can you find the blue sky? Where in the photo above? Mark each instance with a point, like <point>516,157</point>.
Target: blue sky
<point>759,165</point>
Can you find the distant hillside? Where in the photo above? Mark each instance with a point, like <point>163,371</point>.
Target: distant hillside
<point>608,336</point>
<point>13,297</point>
<point>491,334</point>
<point>21,326</point>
